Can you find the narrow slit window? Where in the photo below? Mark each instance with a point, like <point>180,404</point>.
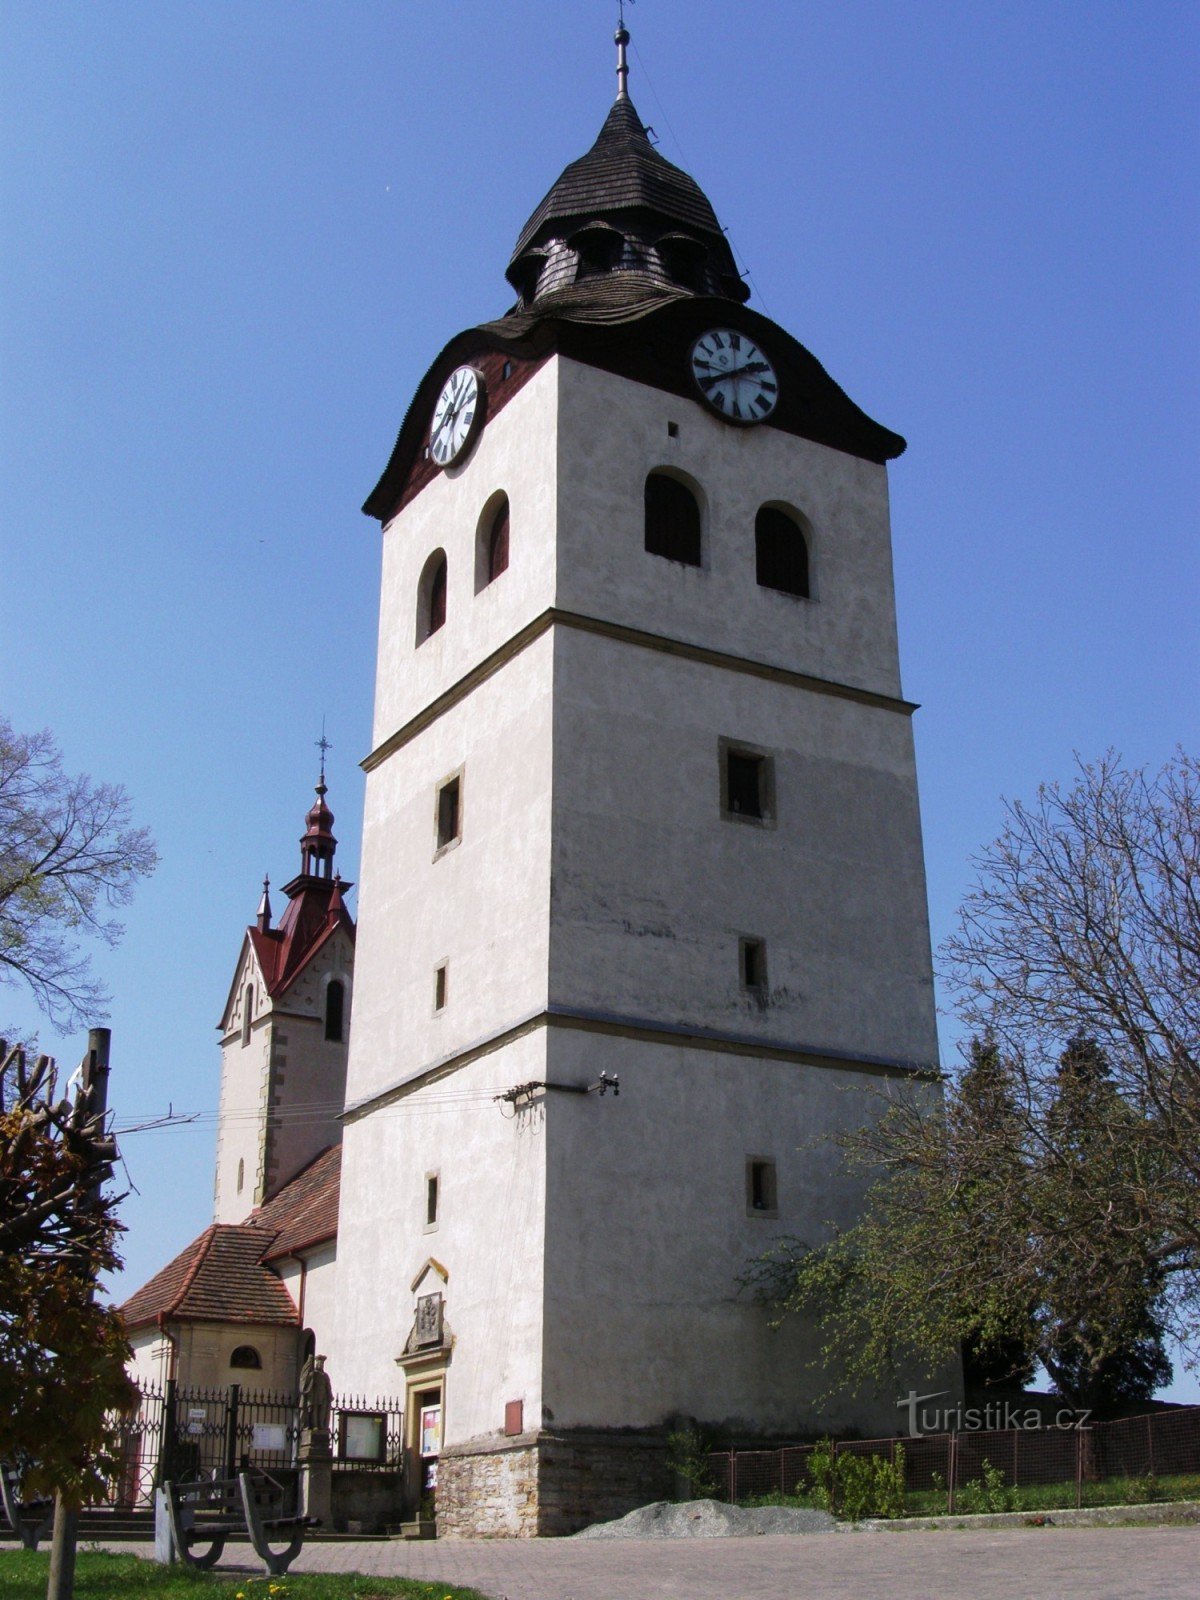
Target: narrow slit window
<point>439,988</point>
<point>335,1007</point>
<point>753,961</point>
<point>247,1013</point>
<point>762,1192</point>
<point>498,544</point>
<point>672,520</point>
<point>449,813</point>
<point>431,1199</point>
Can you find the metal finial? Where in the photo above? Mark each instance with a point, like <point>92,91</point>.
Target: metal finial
<point>622,40</point>
<point>323,744</point>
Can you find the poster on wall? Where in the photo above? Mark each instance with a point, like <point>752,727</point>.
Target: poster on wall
<point>431,1427</point>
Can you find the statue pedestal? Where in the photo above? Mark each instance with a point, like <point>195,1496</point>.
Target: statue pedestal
<point>316,1476</point>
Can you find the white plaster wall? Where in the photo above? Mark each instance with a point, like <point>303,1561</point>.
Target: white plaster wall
<point>652,887</point>
<point>150,1360</point>
<point>612,432</point>
<point>309,1070</point>
<point>515,453</point>
<point>480,906</point>
<point>244,1087</point>
<point>647,1233</point>
<point>313,1285</point>
<point>489,1238</point>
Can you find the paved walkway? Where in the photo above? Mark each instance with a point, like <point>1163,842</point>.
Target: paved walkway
<point>976,1564</point>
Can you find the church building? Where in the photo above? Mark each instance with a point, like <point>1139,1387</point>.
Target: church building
<point>642,921</point>
<point>641,811</point>
<point>244,1301</point>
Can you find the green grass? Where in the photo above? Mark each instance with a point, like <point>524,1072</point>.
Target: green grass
<point>101,1576</point>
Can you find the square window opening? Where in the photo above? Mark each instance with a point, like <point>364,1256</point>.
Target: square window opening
<point>672,430</point>
<point>747,784</point>
<point>762,1192</point>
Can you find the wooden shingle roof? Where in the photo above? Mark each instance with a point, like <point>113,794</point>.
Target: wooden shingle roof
<point>621,172</point>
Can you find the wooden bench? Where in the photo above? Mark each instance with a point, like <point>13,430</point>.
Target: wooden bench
<point>250,1505</point>
<point>30,1522</point>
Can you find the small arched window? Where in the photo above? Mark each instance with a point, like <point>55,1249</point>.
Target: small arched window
<point>672,520</point>
<point>241,1174</point>
<point>780,552</point>
<point>247,1012</point>
<point>431,596</point>
<point>246,1356</point>
<point>498,542</point>
<point>335,1006</point>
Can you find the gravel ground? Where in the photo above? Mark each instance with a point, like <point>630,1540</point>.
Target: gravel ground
<point>708,1519</point>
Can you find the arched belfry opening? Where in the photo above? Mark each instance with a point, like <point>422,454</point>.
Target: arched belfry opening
<point>673,526</point>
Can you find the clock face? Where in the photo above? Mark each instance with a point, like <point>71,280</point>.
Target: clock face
<point>456,415</point>
<point>734,376</point>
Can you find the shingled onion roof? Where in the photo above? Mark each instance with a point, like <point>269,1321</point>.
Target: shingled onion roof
<point>624,177</point>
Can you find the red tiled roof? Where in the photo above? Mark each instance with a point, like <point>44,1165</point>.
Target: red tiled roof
<point>305,1211</point>
<point>220,1277</point>
<point>223,1276</point>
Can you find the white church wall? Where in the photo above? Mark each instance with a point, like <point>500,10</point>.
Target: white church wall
<point>150,1359</point>
<point>245,1062</point>
<point>515,454</point>
<point>309,1070</point>
<point>654,887</point>
<point>488,1238</point>
<point>612,432</point>
<point>480,906</point>
<point>312,1284</point>
<point>648,1231</point>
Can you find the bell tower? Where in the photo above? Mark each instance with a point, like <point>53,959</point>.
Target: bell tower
<point>285,1029</point>
<point>641,806</point>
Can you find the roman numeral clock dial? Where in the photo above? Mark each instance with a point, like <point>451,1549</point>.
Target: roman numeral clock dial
<point>734,376</point>
<point>456,416</point>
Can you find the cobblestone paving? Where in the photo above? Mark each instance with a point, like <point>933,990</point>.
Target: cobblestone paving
<point>976,1564</point>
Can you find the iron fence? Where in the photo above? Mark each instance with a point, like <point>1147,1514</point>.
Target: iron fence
<point>190,1433</point>
<point>1134,1457</point>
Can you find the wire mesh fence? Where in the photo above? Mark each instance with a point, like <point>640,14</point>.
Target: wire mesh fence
<point>189,1433</point>
<point>1137,1458</point>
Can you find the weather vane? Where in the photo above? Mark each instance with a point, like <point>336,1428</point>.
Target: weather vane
<point>621,4</point>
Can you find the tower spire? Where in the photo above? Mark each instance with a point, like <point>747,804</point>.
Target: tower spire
<point>622,41</point>
<point>264,908</point>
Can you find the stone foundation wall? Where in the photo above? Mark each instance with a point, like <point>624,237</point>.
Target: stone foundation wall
<point>547,1483</point>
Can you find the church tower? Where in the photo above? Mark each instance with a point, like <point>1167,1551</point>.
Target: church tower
<point>641,808</point>
<point>285,1030</point>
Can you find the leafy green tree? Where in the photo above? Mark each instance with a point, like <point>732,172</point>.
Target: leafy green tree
<point>62,1353</point>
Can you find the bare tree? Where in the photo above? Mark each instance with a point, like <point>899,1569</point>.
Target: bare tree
<point>1085,921</point>
<point>68,856</point>
<point>1051,1206</point>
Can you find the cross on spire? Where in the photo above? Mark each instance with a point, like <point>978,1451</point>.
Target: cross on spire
<point>323,744</point>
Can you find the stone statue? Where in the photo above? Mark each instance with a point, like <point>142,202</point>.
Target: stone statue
<point>316,1395</point>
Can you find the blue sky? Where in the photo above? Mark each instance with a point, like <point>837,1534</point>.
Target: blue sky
<point>237,233</point>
